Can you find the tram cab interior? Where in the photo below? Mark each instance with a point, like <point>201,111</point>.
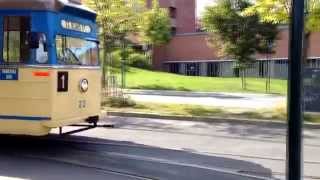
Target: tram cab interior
<point>49,66</point>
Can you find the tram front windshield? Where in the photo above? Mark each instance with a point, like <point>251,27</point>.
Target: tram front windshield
<point>76,51</point>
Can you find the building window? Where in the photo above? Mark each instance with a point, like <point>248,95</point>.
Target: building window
<point>313,63</point>
<point>192,69</point>
<point>15,39</point>
<point>281,61</point>
<point>173,12</point>
<point>262,68</point>
<point>173,31</point>
<point>174,68</point>
<point>213,69</point>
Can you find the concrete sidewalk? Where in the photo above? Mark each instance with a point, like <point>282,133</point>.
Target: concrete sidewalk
<point>221,100</point>
<point>196,94</point>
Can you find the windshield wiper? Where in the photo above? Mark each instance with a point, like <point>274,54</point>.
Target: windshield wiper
<point>74,55</point>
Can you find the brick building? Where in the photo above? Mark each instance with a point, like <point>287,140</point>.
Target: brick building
<point>189,52</point>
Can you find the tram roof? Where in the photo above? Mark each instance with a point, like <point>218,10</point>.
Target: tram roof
<point>51,5</point>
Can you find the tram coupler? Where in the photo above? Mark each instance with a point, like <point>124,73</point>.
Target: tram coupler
<point>84,128</point>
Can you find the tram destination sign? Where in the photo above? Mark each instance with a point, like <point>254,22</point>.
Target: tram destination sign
<point>75,26</point>
<point>9,74</point>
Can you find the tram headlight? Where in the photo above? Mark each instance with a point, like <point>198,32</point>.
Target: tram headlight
<point>84,85</point>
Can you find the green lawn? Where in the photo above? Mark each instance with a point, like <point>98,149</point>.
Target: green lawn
<point>144,79</point>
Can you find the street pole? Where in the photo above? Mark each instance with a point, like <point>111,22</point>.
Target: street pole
<point>295,119</point>
<point>123,64</point>
<point>267,74</point>
<point>269,52</point>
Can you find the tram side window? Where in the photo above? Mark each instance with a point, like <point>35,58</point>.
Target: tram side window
<point>15,41</point>
<point>76,51</point>
<point>38,47</point>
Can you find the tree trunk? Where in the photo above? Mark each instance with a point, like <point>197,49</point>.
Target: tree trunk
<point>243,78</point>
<point>104,64</point>
<point>151,54</point>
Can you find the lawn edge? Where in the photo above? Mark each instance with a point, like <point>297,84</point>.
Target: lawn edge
<point>206,119</point>
<point>196,93</point>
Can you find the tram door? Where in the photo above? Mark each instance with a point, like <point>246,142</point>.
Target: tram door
<point>15,39</point>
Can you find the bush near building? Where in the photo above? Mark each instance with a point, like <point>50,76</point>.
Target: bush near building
<point>139,60</point>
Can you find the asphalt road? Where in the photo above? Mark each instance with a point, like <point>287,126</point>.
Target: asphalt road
<point>157,149</point>
<point>54,158</point>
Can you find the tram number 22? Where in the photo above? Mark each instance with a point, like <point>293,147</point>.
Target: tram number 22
<point>82,104</point>
<point>63,81</point>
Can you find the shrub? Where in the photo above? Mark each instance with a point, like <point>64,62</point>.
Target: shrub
<point>139,60</point>
<point>120,102</point>
<point>115,58</point>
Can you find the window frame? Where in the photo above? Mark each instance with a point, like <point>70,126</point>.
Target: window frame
<point>5,55</point>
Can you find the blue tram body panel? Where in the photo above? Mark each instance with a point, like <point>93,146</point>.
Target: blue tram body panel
<point>50,23</point>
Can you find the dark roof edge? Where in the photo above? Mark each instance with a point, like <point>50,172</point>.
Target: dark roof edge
<point>51,5</point>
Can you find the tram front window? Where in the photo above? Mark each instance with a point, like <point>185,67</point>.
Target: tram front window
<point>76,51</point>
<point>15,41</point>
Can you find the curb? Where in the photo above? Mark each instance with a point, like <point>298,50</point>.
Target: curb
<point>209,119</point>
<point>196,94</point>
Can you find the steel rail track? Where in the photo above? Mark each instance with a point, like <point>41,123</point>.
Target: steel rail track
<point>157,160</point>
<point>149,147</point>
<point>240,173</point>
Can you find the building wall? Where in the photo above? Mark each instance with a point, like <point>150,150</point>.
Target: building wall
<point>190,47</point>
<point>185,14</point>
<point>282,45</point>
<point>190,53</point>
<point>158,57</point>
<point>195,47</point>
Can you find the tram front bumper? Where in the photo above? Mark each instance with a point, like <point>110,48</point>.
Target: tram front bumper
<point>18,127</point>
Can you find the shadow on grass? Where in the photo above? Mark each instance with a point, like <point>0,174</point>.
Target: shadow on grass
<point>199,111</point>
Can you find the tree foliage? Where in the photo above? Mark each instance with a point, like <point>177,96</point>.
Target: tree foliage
<point>156,25</point>
<point>234,35</point>
<point>278,12</point>
<point>117,18</point>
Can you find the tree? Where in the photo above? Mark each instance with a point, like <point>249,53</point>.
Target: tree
<point>278,12</point>
<point>236,36</point>
<point>119,18</point>
<point>116,19</point>
<point>156,26</point>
